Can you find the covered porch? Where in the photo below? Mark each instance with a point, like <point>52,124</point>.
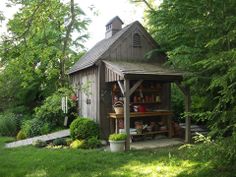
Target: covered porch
<point>130,76</point>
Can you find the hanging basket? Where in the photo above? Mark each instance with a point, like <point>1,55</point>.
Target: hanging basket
<point>119,107</point>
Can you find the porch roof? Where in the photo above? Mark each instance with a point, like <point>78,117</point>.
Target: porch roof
<point>118,70</point>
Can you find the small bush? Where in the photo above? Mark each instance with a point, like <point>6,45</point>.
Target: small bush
<point>45,129</point>
<point>21,135</point>
<point>93,142</point>
<point>39,143</point>
<point>117,137</point>
<point>59,141</point>
<point>69,141</point>
<point>83,128</point>
<point>78,144</point>
<point>9,124</point>
<point>35,127</point>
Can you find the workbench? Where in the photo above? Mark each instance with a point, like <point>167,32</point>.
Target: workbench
<point>160,113</point>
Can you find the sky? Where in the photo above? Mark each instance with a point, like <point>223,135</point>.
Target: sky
<point>107,9</point>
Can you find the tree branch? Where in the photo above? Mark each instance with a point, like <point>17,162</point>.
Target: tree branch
<point>29,23</point>
<point>66,40</point>
<point>147,4</point>
<point>69,27</point>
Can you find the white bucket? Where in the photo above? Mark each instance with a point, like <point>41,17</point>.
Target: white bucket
<point>117,146</point>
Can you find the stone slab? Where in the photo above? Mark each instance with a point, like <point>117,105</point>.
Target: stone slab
<point>158,143</point>
<point>48,137</point>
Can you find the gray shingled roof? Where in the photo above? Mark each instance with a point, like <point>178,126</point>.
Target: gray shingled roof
<point>97,51</point>
<point>123,68</point>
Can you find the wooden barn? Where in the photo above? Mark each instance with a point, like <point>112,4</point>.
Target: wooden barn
<point>120,70</point>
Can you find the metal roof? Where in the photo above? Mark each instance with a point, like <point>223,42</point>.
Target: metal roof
<point>98,50</point>
<point>116,17</point>
<point>141,69</point>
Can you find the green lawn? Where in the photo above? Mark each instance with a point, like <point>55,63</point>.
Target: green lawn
<point>34,162</point>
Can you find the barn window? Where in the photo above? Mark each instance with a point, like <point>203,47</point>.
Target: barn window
<point>136,40</point>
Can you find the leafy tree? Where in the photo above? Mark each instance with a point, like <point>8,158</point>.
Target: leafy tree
<point>200,37</point>
<point>43,41</point>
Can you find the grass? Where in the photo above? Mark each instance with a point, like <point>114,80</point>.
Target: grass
<point>166,162</point>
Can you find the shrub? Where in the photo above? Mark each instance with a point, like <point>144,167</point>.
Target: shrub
<point>78,144</point>
<point>51,112</point>
<point>117,137</point>
<point>39,143</point>
<point>59,141</point>
<point>83,128</point>
<point>45,129</point>
<point>222,152</point>
<point>93,142</point>
<point>227,150</point>
<point>68,141</point>
<point>35,127</point>
<point>9,124</point>
<point>21,135</point>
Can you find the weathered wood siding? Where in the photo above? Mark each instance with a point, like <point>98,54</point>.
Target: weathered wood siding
<point>85,86</point>
<point>123,49</point>
<point>105,102</point>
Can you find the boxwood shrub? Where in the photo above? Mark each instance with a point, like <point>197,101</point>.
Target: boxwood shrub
<point>83,129</point>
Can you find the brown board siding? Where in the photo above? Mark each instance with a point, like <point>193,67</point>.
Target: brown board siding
<point>85,86</point>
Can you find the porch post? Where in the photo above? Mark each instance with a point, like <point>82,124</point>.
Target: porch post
<point>187,101</point>
<point>127,112</point>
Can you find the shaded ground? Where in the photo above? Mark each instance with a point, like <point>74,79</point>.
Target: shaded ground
<point>157,143</point>
<point>168,162</point>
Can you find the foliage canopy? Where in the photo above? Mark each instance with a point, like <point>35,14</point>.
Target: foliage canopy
<point>200,37</point>
<point>42,42</point>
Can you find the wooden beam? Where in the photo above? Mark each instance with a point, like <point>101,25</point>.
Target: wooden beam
<point>121,87</point>
<point>99,87</point>
<point>135,86</point>
<point>187,101</point>
<point>164,78</point>
<point>127,112</point>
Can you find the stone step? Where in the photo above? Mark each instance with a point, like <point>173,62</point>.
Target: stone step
<point>47,137</point>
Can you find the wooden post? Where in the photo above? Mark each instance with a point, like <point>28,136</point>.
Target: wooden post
<point>169,127</point>
<point>187,101</point>
<point>127,112</point>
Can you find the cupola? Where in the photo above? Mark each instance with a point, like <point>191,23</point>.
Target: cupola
<point>113,26</point>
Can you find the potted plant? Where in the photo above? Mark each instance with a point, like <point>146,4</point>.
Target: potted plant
<point>119,107</point>
<point>117,142</point>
